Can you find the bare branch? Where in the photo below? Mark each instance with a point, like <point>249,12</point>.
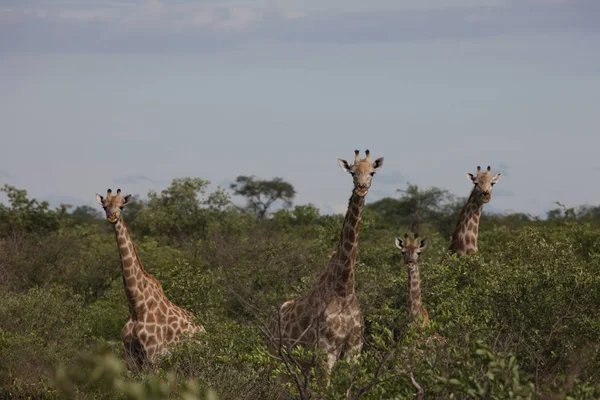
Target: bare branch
<point>420,391</point>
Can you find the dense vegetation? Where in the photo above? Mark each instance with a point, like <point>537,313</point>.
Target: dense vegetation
<point>520,319</point>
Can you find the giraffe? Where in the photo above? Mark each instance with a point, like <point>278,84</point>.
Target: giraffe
<point>411,250</point>
<point>154,322</point>
<point>464,239</point>
<point>329,315</point>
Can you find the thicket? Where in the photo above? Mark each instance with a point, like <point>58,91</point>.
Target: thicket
<point>520,319</point>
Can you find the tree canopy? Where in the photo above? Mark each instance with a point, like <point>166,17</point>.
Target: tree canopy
<point>261,194</point>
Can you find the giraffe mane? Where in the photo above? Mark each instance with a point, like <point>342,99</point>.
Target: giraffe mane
<point>137,258</point>
<point>146,274</point>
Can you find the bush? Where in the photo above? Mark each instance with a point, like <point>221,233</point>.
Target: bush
<point>519,319</point>
<point>39,328</point>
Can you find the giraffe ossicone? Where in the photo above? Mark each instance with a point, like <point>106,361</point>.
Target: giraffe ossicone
<point>155,323</point>
<point>329,316</point>
<point>464,238</point>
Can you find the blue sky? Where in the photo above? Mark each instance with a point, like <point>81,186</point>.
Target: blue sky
<point>122,93</point>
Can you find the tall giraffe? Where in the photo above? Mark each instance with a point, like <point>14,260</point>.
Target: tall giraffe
<point>464,239</point>
<point>411,250</point>
<point>329,315</point>
<point>154,322</point>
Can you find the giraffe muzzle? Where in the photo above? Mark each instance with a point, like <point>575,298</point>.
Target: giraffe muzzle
<point>361,190</point>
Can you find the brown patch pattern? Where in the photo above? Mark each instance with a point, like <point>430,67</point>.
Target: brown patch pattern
<point>154,322</point>
<point>330,311</point>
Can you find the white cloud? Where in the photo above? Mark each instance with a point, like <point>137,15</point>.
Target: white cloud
<point>154,7</point>
<point>548,2</point>
<point>170,26</point>
<point>18,15</point>
<point>150,14</point>
<point>160,24</point>
<point>105,15</point>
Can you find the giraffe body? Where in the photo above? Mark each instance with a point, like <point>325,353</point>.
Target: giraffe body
<point>154,323</point>
<point>464,238</point>
<point>329,315</point>
<point>411,250</point>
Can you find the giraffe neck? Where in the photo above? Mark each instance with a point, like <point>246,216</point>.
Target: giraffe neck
<point>415,305</point>
<point>464,239</point>
<point>340,273</point>
<point>135,278</point>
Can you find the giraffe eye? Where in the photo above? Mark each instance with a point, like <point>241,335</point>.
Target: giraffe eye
<point>372,173</point>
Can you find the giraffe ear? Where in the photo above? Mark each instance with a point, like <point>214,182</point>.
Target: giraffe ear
<point>496,178</point>
<point>344,165</point>
<point>471,177</point>
<point>125,200</point>
<point>423,243</point>
<point>399,243</point>
<point>100,199</point>
<point>378,164</point>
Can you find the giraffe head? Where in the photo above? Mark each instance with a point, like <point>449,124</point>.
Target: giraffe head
<point>362,171</point>
<point>483,183</point>
<point>411,249</point>
<point>113,205</point>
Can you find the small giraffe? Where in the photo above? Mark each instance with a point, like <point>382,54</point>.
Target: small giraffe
<point>411,250</point>
<point>464,239</point>
<point>154,322</point>
<point>329,315</point>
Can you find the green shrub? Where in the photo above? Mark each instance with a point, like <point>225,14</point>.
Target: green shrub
<point>519,319</point>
